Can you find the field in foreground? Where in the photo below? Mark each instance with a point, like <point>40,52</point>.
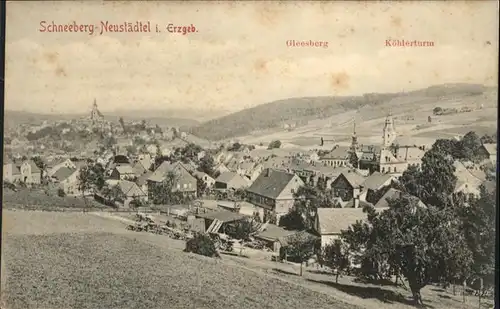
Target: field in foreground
<point>76,260</point>
<point>57,268</point>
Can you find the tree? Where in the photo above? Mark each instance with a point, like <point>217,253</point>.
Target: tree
<point>489,139</point>
<point>234,147</point>
<point>307,200</point>
<point>447,147</point>
<point>91,177</point>
<point>202,244</point>
<point>300,247</point>
<point>479,229</point>
<point>469,146</point>
<point>335,256</point>
<point>274,144</point>
<point>436,180</point>
<point>163,192</point>
<point>61,193</point>
<point>207,165</point>
<point>423,244</point>
<point>201,186</point>
<point>293,220</point>
<point>243,229</point>
<point>117,194</point>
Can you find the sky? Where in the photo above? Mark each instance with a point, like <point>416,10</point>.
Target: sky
<point>238,58</point>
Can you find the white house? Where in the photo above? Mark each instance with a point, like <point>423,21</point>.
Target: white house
<point>67,178</point>
<point>55,165</point>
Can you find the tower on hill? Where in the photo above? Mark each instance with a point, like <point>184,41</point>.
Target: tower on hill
<point>95,115</point>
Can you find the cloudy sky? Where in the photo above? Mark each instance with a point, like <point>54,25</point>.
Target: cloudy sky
<point>239,58</point>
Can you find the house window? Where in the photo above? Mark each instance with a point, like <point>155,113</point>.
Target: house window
<point>383,169</point>
<point>395,169</point>
<point>178,186</point>
<point>190,186</point>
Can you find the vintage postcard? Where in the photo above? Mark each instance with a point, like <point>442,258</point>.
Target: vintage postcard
<point>301,154</point>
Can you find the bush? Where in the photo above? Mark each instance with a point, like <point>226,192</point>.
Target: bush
<point>202,244</point>
<point>274,144</point>
<point>61,193</point>
<point>437,110</point>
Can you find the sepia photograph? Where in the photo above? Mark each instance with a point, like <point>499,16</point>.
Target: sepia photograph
<point>249,155</point>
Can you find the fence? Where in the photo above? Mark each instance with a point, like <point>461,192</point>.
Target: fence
<point>22,207</point>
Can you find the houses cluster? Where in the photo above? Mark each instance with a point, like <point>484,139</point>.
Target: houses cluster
<point>265,179</point>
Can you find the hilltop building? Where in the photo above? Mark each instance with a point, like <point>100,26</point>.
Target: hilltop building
<point>96,117</point>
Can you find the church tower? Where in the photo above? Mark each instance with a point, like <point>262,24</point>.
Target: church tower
<point>354,139</point>
<point>389,132</point>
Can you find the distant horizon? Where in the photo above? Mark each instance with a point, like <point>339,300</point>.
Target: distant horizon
<point>228,111</point>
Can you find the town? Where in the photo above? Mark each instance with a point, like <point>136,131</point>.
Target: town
<point>309,207</point>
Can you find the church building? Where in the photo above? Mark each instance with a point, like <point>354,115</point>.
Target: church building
<point>390,157</point>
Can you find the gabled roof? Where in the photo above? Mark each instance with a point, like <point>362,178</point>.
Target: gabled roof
<point>339,153</point>
<point>56,161</point>
<point>34,168</point>
<point>129,188</point>
<point>367,156</point>
<point>246,165</point>
<point>491,148</point>
<point>226,177</point>
<point>138,168</point>
<point>271,183</point>
<point>335,220</point>
<point>410,154</point>
<point>354,179</point>
<point>63,173</point>
<point>143,179</point>
<point>393,194</point>
<point>125,169</point>
<point>386,156</point>
<point>159,174</point>
<point>376,180</point>
<point>466,176</point>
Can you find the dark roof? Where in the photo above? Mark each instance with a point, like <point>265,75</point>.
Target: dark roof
<point>393,194</point>
<point>273,232</point>
<point>339,153</point>
<point>376,180</point>
<point>121,159</point>
<point>270,183</point>
<point>63,173</point>
<point>226,177</point>
<point>355,180</point>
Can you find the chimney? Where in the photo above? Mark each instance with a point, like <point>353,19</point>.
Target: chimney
<point>268,172</point>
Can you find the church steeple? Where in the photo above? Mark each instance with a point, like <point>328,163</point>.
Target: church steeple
<point>389,132</point>
<point>354,139</point>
